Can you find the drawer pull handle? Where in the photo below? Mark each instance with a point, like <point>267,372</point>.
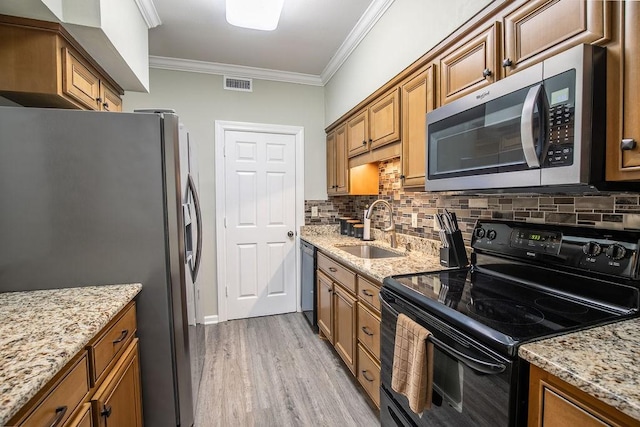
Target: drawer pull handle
<point>367,331</point>
<point>333,269</point>
<point>106,411</point>
<point>122,336</point>
<point>366,377</point>
<point>60,412</point>
<point>367,293</point>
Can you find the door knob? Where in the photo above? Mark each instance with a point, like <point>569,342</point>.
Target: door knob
<point>290,234</point>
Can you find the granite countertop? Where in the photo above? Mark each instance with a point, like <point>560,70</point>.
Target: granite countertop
<point>423,256</point>
<point>601,361</point>
<point>41,331</point>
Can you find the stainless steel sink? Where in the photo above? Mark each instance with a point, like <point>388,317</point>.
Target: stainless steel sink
<point>368,251</point>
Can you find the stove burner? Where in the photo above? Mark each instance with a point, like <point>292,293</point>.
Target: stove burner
<point>505,311</point>
<point>559,305</point>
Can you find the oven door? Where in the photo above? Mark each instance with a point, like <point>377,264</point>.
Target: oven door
<point>473,385</point>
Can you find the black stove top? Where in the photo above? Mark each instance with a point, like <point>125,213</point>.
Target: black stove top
<point>511,295</point>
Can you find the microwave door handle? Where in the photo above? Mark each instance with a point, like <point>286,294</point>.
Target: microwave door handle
<point>527,128</point>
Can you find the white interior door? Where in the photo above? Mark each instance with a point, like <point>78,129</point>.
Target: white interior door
<point>260,200</point>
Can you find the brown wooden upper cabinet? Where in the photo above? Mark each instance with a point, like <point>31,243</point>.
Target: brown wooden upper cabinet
<point>337,170</point>
<point>470,64</point>
<point>418,98</point>
<point>42,66</point>
<point>542,28</point>
<point>623,103</point>
<point>376,125</point>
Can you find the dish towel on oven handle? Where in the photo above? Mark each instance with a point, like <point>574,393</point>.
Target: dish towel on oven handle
<point>412,374</point>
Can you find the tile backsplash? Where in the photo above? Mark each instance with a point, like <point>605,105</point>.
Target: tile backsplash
<point>611,210</point>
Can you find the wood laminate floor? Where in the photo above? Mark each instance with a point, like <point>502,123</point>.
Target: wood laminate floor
<point>273,371</point>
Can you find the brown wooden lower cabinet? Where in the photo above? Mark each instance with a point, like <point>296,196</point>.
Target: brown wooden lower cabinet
<point>344,326</point>
<point>556,403</point>
<point>349,317</point>
<point>118,401</point>
<point>79,397</point>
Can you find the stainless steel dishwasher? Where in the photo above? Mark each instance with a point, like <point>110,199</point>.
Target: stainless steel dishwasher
<point>308,283</point>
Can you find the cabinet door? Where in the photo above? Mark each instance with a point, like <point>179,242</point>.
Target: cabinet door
<point>325,318</point>
<point>384,120</point>
<point>469,65</point>
<point>542,28</point>
<point>358,134</point>
<point>118,400</point>
<point>79,82</point>
<point>331,163</point>
<point>417,100</point>
<point>631,91</point>
<point>344,326</point>
<point>110,100</point>
<point>341,165</point>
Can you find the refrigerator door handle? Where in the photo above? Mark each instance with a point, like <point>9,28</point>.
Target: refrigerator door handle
<point>195,266</point>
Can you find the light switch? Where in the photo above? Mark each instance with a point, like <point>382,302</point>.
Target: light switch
<point>314,211</point>
<point>414,219</point>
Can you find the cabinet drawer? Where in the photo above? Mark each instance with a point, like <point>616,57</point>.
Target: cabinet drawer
<point>369,375</point>
<point>369,330</point>
<point>337,272</point>
<point>368,292</point>
<point>68,394</point>
<point>112,342</point>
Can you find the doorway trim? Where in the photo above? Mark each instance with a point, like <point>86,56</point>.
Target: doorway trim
<point>221,126</point>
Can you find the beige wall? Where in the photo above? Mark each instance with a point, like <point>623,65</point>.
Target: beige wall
<point>200,100</point>
<point>407,30</point>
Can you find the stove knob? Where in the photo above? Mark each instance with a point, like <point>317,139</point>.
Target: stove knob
<point>480,233</point>
<point>616,252</point>
<point>491,234</point>
<point>592,249</point>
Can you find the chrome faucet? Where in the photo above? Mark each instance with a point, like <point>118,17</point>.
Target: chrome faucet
<point>392,225</point>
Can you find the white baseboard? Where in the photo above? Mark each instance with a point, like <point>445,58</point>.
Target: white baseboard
<point>211,320</point>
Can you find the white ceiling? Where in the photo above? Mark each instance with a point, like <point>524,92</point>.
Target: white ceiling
<point>312,38</point>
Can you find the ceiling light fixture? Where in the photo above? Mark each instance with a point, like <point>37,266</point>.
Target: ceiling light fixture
<point>255,14</point>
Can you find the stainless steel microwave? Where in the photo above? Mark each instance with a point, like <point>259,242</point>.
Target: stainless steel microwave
<point>541,127</point>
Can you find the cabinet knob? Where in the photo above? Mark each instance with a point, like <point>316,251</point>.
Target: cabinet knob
<point>628,144</point>
<point>370,140</point>
<point>105,105</point>
<point>486,72</point>
<point>106,411</point>
<point>507,62</point>
<point>364,142</point>
<point>402,177</point>
<point>98,99</point>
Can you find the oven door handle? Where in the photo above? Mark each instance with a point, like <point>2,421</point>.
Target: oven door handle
<point>476,364</point>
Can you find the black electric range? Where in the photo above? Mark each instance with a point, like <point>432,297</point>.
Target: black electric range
<point>525,282</point>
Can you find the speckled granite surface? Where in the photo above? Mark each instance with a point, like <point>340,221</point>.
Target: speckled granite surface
<point>41,331</point>
<point>425,259</point>
<point>602,361</point>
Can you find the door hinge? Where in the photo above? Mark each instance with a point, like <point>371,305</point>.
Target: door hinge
<point>224,150</point>
<point>226,291</point>
<point>225,222</point>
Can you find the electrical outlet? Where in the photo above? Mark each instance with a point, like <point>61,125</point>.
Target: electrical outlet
<point>436,225</point>
<point>314,211</point>
<point>414,219</point>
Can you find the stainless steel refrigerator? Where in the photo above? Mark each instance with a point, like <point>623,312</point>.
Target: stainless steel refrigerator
<point>93,198</point>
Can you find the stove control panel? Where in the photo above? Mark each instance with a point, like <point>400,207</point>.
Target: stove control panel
<point>609,252</point>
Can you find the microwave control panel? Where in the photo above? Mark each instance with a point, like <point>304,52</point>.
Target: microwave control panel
<point>561,131</point>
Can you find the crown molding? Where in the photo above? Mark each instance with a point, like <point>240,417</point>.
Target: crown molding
<point>149,13</point>
<point>175,64</point>
<point>373,13</point>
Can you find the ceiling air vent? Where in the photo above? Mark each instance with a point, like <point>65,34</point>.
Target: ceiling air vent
<point>237,83</point>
